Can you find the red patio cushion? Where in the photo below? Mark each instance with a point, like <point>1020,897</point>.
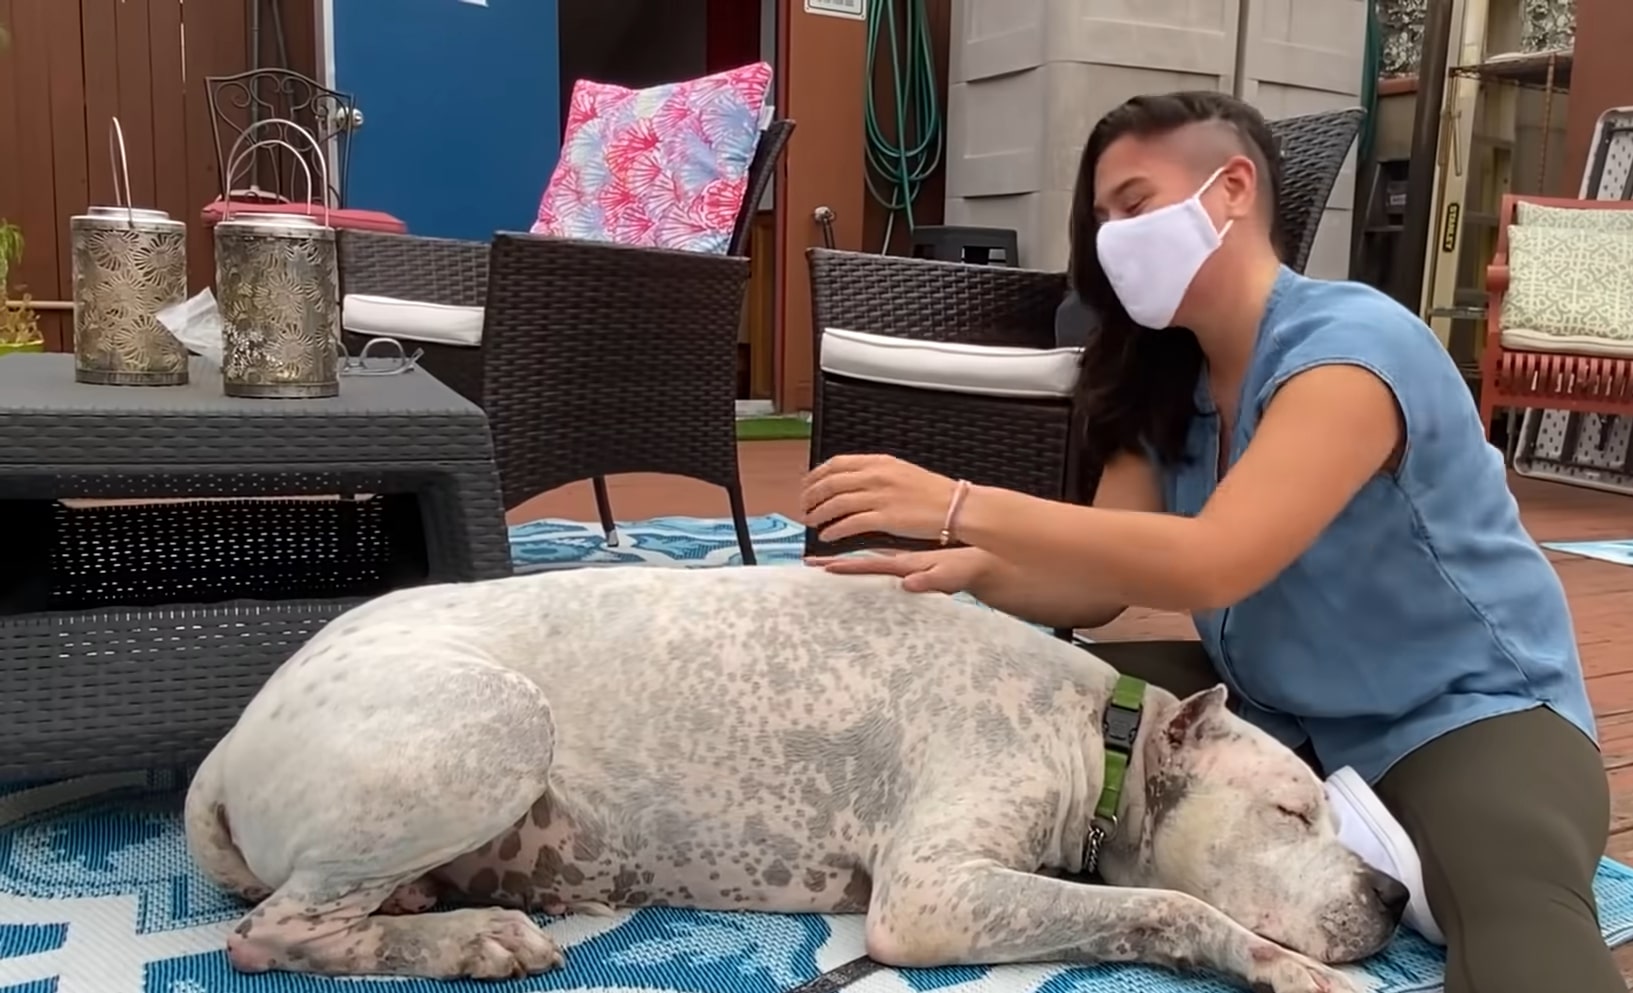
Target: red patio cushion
<point>350,218</point>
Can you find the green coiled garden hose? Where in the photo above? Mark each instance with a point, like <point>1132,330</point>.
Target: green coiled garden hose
<point>899,160</point>
<point>1371,67</point>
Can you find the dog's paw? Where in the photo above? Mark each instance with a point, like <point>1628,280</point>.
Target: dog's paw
<point>509,945</point>
<point>1283,971</point>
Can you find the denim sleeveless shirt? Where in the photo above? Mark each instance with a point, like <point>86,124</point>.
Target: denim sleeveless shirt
<point>1425,605</point>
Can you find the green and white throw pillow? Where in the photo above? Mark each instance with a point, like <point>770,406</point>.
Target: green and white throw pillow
<point>1570,283</point>
<point>1541,215</point>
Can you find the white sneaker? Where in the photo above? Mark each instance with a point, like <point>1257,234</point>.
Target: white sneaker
<point>1367,828</point>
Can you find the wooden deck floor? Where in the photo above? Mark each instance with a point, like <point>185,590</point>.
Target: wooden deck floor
<point>1601,594</point>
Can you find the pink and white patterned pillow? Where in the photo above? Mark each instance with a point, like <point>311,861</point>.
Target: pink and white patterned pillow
<point>665,167</point>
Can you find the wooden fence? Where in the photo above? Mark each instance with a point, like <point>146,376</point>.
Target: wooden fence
<point>71,66</point>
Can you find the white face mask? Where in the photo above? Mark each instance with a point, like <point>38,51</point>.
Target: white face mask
<point>1152,258</point>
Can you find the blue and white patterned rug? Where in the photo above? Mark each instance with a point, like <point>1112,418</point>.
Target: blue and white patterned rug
<point>1615,552</point>
<point>665,541</point>
<point>98,895</point>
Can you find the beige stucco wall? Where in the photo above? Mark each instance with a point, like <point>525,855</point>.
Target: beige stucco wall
<point>1030,77</point>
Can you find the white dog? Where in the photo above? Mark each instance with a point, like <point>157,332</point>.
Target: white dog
<point>774,739</point>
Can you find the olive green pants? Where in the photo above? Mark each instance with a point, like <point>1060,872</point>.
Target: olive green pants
<point>1509,816</point>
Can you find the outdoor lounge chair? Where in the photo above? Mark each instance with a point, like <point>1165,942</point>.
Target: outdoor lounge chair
<point>1018,435</point>
<point>1559,322</point>
<point>590,359</point>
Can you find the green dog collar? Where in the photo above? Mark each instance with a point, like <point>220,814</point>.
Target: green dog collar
<point>1119,727</point>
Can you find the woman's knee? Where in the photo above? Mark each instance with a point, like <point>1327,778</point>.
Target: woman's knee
<point>1509,817</point>
<point>1528,787</point>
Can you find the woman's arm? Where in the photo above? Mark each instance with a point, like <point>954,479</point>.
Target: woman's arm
<point>1060,596</point>
<point>1324,434</point>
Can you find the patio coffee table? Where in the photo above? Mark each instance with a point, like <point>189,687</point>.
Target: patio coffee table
<point>164,549</point>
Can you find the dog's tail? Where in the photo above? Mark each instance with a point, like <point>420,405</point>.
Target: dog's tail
<point>209,833</point>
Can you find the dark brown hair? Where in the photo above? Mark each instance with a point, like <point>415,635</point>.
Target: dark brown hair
<point>1137,385</point>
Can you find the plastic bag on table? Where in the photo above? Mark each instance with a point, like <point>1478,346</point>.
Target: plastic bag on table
<point>196,322</point>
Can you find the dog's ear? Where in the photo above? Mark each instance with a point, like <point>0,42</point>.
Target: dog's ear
<point>1189,721</point>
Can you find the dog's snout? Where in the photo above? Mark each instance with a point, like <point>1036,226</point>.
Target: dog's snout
<point>1392,896</point>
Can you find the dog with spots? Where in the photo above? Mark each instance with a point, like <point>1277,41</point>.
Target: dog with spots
<point>762,739</point>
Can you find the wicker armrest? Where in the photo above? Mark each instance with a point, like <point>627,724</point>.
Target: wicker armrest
<point>409,267</point>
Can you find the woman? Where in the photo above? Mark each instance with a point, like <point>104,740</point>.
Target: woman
<point>1299,465</point>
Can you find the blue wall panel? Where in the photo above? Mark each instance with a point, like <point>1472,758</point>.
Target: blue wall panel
<point>461,110</point>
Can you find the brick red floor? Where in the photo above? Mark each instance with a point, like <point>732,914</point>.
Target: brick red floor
<point>1601,594</point>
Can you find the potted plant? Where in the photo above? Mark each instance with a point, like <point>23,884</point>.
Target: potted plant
<point>19,324</point>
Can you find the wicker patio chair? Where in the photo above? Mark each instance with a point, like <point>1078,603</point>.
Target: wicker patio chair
<point>1017,443</point>
<point>1020,443</point>
<point>591,359</point>
<point>1313,150</point>
<point>1591,372</point>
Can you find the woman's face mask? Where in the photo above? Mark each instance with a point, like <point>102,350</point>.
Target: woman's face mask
<point>1152,258</point>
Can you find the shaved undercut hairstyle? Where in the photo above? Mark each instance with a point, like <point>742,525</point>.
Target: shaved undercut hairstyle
<point>1137,385</point>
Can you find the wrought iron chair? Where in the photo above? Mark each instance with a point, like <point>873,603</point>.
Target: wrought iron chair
<point>263,159</point>
<point>238,102</point>
<point>593,359</point>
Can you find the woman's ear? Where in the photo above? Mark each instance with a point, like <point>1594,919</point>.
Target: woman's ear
<point>1240,179</point>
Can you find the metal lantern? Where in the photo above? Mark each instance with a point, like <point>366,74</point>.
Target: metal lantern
<point>128,264</point>
<point>278,287</point>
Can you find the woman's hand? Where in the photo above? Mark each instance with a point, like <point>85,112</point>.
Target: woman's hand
<point>944,570</point>
<point>855,494</point>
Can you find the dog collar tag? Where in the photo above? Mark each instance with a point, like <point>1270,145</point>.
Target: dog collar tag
<point>1120,726</point>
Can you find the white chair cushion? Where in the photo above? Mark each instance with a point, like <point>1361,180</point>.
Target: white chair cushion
<point>985,370</point>
<point>412,320</point>
<point>1528,340</point>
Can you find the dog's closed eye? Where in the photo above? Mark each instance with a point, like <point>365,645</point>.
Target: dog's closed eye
<point>1302,815</point>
